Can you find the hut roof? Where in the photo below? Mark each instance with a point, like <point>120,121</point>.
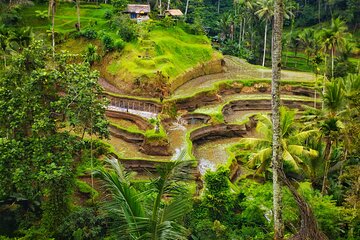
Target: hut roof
<point>174,12</point>
<point>137,8</point>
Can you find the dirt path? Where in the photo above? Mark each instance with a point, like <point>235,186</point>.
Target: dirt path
<point>109,87</point>
<point>237,68</point>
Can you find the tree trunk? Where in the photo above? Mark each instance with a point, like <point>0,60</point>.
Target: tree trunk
<point>168,5</point>
<point>324,81</point>
<point>315,87</point>
<point>160,7</point>
<point>218,7</point>
<point>309,228</point>
<point>327,155</point>
<point>78,13</point>
<point>275,105</point>
<point>49,8</point>
<point>243,30</point>
<point>319,7</point>
<point>240,28</point>
<point>263,62</point>
<point>187,7</point>
<point>332,62</point>
<point>53,26</point>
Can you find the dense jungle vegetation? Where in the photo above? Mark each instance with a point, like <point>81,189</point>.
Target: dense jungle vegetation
<point>69,69</point>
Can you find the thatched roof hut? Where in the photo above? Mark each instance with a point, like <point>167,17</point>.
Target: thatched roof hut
<point>174,12</point>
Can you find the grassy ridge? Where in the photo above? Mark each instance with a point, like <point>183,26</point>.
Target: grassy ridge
<point>169,50</point>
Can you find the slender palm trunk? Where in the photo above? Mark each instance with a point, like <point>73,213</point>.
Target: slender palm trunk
<point>160,3</point>
<point>168,5</point>
<point>264,54</point>
<point>240,28</point>
<point>315,89</point>
<point>319,12</point>
<point>332,62</point>
<point>78,12</point>
<point>218,7</point>
<point>243,30</point>
<point>324,81</point>
<point>275,105</point>
<point>49,8</point>
<point>187,7</point>
<point>53,26</point>
<point>327,155</point>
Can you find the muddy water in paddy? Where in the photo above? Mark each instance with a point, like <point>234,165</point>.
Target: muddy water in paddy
<point>177,136</point>
<point>130,150</point>
<point>212,154</point>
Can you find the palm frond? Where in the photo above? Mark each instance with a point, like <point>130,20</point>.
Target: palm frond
<point>259,157</point>
<point>254,143</point>
<point>304,135</point>
<point>290,159</point>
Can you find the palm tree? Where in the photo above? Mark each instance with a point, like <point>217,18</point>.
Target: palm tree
<point>78,13</point>
<point>265,12</point>
<point>187,7</point>
<point>20,38</point>
<point>292,145</point>
<point>130,208</point>
<point>245,13</point>
<point>334,38</point>
<point>334,100</point>
<point>91,54</point>
<point>51,11</point>
<point>307,38</point>
<point>277,139</point>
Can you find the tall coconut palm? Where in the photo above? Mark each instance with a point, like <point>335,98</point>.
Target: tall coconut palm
<point>51,12</point>
<point>224,25</point>
<point>266,12</point>
<point>334,100</point>
<point>244,14</point>
<point>291,147</point>
<point>186,8</point>
<point>334,38</point>
<point>307,37</point>
<point>277,138</point>
<point>135,217</point>
<point>78,14</point>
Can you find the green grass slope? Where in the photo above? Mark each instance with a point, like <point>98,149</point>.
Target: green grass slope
<point>169,50</point>
<point>65,17</point>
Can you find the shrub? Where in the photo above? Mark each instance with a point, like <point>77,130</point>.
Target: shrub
<point>108,43</point>
<point>108,14</point>
<point>89,33</point>
<point>83,223</point>
<point>167,22</point>
<point>119,4</point>
<point>119,44</point>
<point>90,54</point>
<point>126,28</point>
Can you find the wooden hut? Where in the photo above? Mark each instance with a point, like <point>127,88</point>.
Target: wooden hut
<point>139,12</point>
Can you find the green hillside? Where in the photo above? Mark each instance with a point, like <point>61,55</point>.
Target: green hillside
<point>158,46</point>
<point>169,50</point>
